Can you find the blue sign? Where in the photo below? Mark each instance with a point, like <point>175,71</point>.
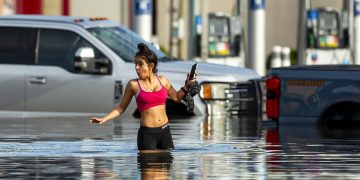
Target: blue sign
<point>257,4</point>
<point>313,14</point>
<point>356,8</point>
<point>142,7</point>
<point>198,20</point>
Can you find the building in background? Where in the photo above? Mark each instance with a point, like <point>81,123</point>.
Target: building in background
<point>210,30</point>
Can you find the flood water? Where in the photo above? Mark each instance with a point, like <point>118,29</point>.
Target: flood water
<point>205,148</point>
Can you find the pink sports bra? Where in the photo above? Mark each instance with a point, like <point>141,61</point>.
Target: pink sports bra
<point>146,100</point>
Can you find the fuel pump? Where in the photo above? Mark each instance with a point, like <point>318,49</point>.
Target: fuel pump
<point>324,29</point>
<point>219,35</point>
<point>225,40</point>
<point>327,37</point>
<point>329,29</point>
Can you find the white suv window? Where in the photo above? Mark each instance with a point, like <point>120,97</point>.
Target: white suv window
<point>58,48</point>
<point>123,42</point>
<point>17,45</point>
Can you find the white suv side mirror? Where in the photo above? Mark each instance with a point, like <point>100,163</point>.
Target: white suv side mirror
<point>85,61</point>
<point>85,52</point>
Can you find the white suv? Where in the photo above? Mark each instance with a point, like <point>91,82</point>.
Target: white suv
<point>54,65</point>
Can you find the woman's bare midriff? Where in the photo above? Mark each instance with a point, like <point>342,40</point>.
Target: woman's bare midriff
<point>154,117</point>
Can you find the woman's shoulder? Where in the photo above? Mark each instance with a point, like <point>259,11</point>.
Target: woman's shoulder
<point>133,82</point>
<point>162,77</point>
<point>164,80</point>
<point>133,85</point>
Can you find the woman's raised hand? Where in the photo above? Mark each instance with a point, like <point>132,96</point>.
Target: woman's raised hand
<point>188,82</point>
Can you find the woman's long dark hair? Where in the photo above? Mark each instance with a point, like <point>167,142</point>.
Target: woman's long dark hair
<point>148,54</point>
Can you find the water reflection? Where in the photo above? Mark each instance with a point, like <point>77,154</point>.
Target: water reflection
<point>313,152</point>
<point>39,168</point>
<point>214,147</point>
<point>347,130</point>
<point>154,165</point>
<point>229,127</point>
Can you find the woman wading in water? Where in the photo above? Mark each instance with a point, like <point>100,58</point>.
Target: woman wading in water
<point>150,92</point>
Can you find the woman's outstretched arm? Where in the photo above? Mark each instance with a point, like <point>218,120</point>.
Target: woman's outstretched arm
<point>118,110</point>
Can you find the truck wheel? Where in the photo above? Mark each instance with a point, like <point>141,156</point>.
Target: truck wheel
<point>341,121</point>
<point>342,115</point>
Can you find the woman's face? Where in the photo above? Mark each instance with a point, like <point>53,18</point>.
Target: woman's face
<point>143,69</point>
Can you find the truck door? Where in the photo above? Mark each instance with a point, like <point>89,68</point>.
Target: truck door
<point>17,52</point>
<point>55,86</point>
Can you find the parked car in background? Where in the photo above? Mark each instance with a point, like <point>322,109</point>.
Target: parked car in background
<point>318,95</point>
<point>74,66</point>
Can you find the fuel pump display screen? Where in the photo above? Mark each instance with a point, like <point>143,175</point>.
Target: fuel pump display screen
<point>328,21</point>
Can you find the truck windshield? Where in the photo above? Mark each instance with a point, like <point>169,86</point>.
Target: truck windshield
<point>123,42</point>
